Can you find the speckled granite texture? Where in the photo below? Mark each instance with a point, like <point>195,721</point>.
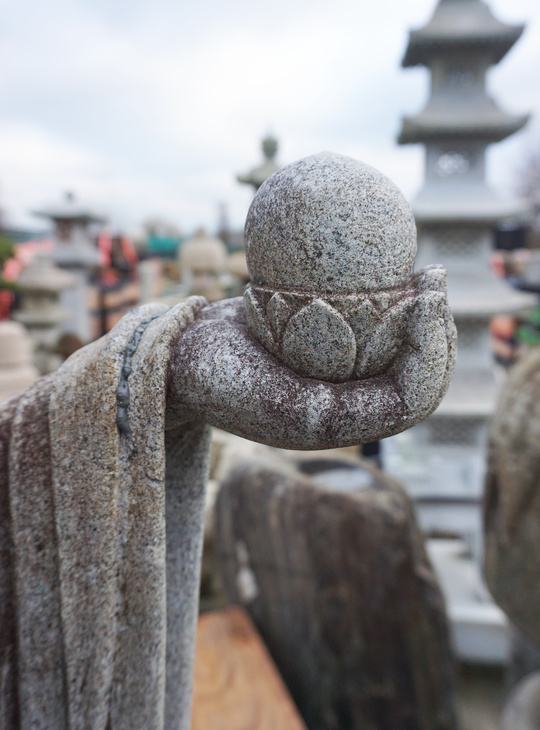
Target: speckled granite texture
<point>222,375</point>
<point>331,224</point>
<point>330,246</point>
<point>100,540</point>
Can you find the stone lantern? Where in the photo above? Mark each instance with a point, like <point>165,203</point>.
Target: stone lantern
<point>75,252</point>
<point>42,284</point>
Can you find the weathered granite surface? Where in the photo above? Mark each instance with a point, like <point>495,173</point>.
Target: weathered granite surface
<point>330,246</point>
<point>343,593</point>
<point>512,498</point>
<point>104,464</point>
<point>221,374</point>
<point>331,224</point>
<point>101,524</point>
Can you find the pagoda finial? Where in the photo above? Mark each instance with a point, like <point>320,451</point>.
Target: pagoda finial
<point>269,147</point>
<point>259,174</point>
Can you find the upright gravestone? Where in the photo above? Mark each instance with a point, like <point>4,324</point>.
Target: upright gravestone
<point>76,252</point>
<point>103,463</point>
<point>340,587</point>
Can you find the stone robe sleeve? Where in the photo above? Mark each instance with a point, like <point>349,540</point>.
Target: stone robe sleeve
<point>512,498</point>
<point>87,567</point>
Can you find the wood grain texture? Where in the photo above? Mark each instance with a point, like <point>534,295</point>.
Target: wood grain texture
<point>340,587</point>
<point>236,685</point>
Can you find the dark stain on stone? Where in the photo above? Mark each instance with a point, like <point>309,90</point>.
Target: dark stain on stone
<point>122,392</point>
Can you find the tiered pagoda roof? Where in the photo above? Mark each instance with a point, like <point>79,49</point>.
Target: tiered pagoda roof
<point>466,204</point>
<point>461,25</point>
<point>458,28</point>
<point>489,125</point>
<point>70,210</point>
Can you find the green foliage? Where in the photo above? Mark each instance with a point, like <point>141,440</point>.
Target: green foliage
<point>529,332</point>
<point>7,250</point>
<point>9,285</point>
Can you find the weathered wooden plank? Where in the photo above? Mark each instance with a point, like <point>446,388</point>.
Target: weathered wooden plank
<point>236,684</point>
<point>343,594</point>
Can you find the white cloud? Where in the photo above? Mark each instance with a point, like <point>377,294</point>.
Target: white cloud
<point>152,108</point>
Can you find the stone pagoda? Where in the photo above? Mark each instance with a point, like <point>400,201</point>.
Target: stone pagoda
<point>456,213</point>
<point>75,252</point>
<point>269,166</point>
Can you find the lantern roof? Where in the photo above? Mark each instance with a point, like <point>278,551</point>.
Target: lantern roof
<point>461,25</point>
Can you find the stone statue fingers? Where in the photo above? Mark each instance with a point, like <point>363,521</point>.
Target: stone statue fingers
<point>424,370</point>
<point>339,342</point>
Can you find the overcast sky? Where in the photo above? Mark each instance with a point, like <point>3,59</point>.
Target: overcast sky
<point>151,108</point>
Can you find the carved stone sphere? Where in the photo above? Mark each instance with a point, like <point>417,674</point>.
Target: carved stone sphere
<point>330,245</point>
<point>332,225</point>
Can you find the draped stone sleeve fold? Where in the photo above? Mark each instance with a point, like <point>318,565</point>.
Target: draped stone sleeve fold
<point>87,557</point>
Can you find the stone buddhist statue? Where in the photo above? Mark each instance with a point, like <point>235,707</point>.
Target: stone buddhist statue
<point>512,498</point>
<point>512,530</point>
<point>104,462</point>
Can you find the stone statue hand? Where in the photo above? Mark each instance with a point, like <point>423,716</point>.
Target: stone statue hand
<point>220,374</point>
<point>337,341</point>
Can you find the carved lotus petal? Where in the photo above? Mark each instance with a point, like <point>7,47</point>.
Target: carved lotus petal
<point>256,321</point>
<point>279,312</point>
<point>362,320</point>
<point>319,343</point>
<point>347,303</point>
<point>432,278</point>
<point>385,342</point>
<point>382,301</point>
